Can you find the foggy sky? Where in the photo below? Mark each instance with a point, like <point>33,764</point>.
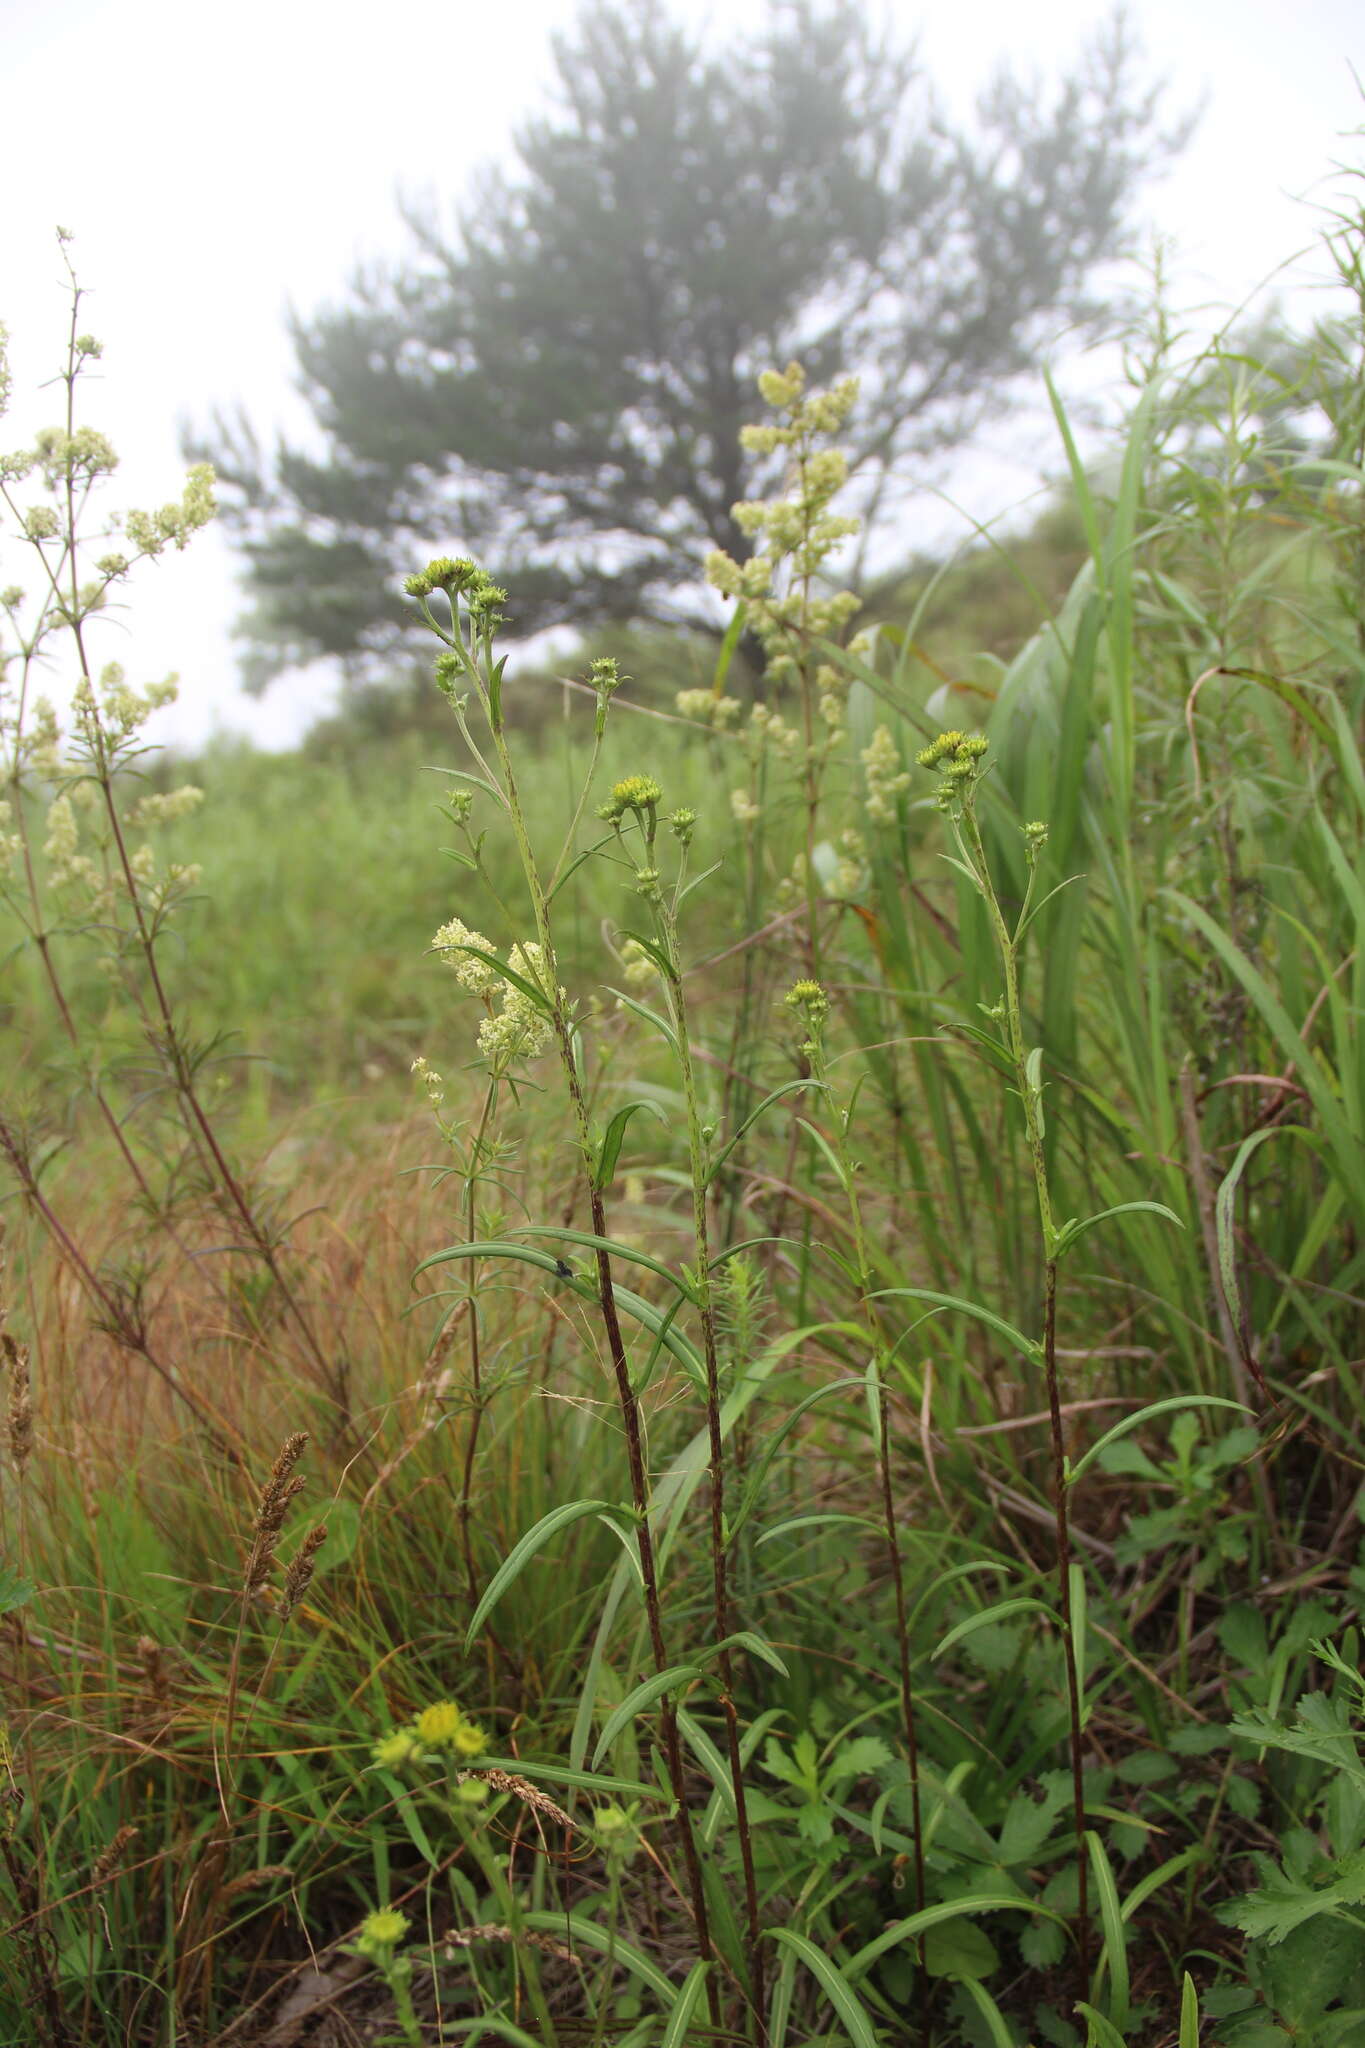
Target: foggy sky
<point>216,166</point>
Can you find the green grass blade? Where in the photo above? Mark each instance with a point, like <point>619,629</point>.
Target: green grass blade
<point>851,2012</point>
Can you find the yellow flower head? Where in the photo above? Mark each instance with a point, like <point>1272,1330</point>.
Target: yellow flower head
<point>634,793</point>
<point>395,1752</point>
<point>438,1726</point>
<point>470,1739</point>
<point>382,1930</point>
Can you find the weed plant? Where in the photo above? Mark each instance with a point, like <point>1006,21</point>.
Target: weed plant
<point>809,1492</point>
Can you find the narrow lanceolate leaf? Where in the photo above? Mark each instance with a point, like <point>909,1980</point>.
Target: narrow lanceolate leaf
<point>997,2026</point>
<point>1189,2014</point>
<point>604,1167</point>
<point>515,1563</point>
<point>787,1088</point>
<point>851,2012</point>
<point>1071,1233</point>
<point>680,2019</point>
<point>612,1246</point>
<point>1131,1422</point>
<point>579,1930</point>
<point>901,1931</point>
<point>1099,2032</point>
<point>1001,1612</point>
<point>1225,1208</point>
<point>496,1248</point>
<point>1115,1932</point>
<point>986,1316</point>
<point>637,1700</point>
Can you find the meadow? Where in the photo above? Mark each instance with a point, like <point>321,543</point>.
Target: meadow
<point>683,1349</point>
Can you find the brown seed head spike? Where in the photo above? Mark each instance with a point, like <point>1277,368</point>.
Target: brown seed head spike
<point>279,1489</point>
<point>300,1571</point>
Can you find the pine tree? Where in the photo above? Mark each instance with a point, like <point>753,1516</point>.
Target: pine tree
<point>556,385</point>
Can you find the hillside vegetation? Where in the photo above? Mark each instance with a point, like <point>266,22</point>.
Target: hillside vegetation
<point>683,1350</point>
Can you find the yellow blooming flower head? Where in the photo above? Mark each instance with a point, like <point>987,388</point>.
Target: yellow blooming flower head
<point>437,1726</point>
<point>470,1739</point>
<point>395,1752</point>
<point>382,1930</point>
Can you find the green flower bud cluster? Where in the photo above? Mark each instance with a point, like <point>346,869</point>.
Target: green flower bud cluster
<point>464,582</point>
<point>381,1933</point>
<point>638,793</point>
<point>958,756</point>
<point>808,998</point>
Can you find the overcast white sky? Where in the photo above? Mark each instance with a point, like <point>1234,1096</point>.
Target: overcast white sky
<point>217,164</point>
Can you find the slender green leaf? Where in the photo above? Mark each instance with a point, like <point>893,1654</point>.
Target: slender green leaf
<point>604,1166</point>
<point>933,1916</point>
<point>787,1088</point>
<point>1131,1422</point>
<point>986,1316</point>
<point>639,1698</point>
<point>1115,1931</point>
<point>1189,2014</point>
<point>997,2026</point>
<point>515,1563</point>
<point>1070,1233</point>
<point>1000,1612</point>
<point>847,2005</point>
<point>684,2005</point>
<point>606,1941</point>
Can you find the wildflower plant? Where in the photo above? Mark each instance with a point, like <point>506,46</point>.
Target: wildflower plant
<point>81,873</point>
<point>783,595</point>
<point>469,673</point>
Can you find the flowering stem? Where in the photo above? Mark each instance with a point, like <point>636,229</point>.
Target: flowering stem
<point>668,931</point>
<point>1029,1089</point>
<point>814,1012</point>
<point>474,662</point>
<point>475,1378</point>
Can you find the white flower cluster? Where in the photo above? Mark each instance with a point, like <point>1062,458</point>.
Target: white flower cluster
<point>164,807</point>
<point>150,532</point>
<point>887,781</point>
<point>469,970</point>
<point>430,1080</point>
<point>797,530</point>
<point>11,845</point>
<point>519,1028</point>
<point>766,729</point>
<point>638,969</point>
<point>67,867</point>
<point>120,710</point>
<point>708,709</point>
